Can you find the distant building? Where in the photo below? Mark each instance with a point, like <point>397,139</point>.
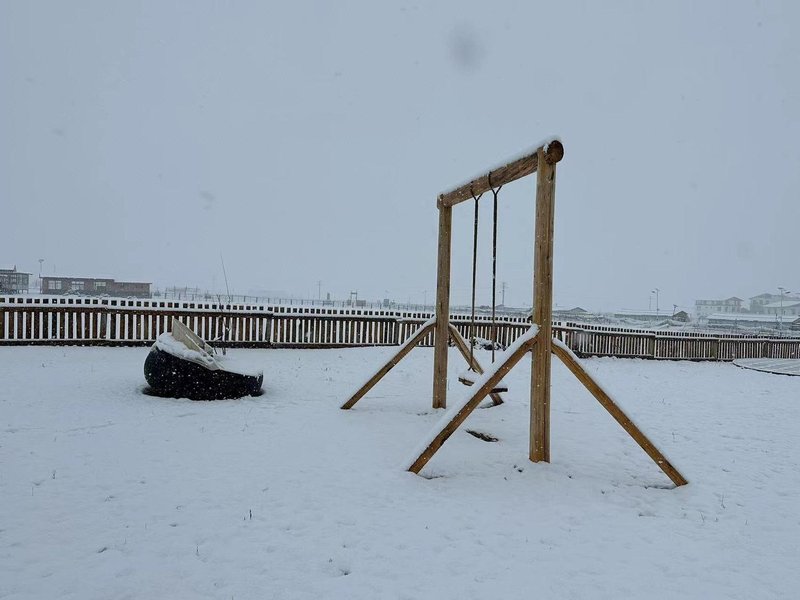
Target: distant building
<point>744,320</point>
<point>13,281</point>
<point>759,303</point>
<point>648,316</point>
<point>681,316</point>
<point>89,286</point>
<point>570,313</point>
<point>787,307</point>
<point>703,308</point>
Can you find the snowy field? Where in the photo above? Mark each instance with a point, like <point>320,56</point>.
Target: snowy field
<point>109,493</point>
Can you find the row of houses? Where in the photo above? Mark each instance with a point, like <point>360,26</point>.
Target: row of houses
<point>13,281</point>
<point>783,305</point>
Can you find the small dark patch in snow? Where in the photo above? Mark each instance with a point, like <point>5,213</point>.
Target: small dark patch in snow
<point>482,436</point>
<point>344,572</point>
<point>660,486</point>
<point>173,524</point>
<point>103,549</point>
<point>431,475</point>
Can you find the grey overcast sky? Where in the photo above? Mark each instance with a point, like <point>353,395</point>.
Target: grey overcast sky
<point>307,141</point>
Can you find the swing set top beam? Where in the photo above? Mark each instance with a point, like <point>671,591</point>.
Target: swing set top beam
<point>553,152</point>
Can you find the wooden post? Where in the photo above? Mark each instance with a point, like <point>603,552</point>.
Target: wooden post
<point>501,369</point>
<point>473,363</point>
<point>407,347</point>
<point>442,334</point>
<point>539,449</point>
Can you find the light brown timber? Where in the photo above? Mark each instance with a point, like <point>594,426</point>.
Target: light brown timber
<point>471,404</point>
<point>473,363</point>
<point>539,449</point>
<point>442,308</point>
<point>396,358</point>
<point>503,175</point>
<point>618,414</point>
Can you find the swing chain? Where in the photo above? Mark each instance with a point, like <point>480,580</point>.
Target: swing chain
<point>495,192</point>
<point>474,279</point>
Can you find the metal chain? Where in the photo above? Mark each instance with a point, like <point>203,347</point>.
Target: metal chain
<point>494,263</point>
<point>474,280</point>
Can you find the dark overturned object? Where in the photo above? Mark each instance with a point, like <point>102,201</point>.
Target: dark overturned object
<point>181,365</point>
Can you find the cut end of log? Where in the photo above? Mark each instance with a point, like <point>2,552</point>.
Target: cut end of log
<point>553,152</point>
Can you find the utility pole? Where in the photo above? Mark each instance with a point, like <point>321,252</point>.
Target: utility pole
<point>503,292</point>
<point>655,291</point>
<point>319,290</point>
<point>782,291</point>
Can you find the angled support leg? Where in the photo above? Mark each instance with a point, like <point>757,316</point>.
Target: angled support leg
<point>456,415</point>
<point>409,344</point>
<point>473,363</point>
<point>571,361</point>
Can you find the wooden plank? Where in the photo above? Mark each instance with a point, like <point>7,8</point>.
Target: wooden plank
<point>29,317</point>
<point>396,358</point>
<point>37,324</point>
<point>516,169</point>
<point>539,449</point>
<point>501,371</point>
<point>441,335</point>
<point>473,363</point>
<point>569,359</point>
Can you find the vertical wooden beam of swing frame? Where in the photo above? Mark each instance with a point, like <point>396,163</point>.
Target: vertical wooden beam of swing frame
<point>442,334</point>
<point>539,449</point>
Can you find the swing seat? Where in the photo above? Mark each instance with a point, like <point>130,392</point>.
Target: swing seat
<point>468,378</point>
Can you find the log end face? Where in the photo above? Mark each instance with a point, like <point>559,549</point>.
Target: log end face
<point>553,152</point>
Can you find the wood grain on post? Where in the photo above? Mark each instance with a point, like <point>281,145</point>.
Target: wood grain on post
<point>552,152</point>
<point>539,449</point>
<point>396,358</point>
<point>619,415</point>
<point>471,405</point>
<point>442,334</point>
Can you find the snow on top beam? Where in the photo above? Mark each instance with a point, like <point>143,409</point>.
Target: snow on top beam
<point>515,169</point>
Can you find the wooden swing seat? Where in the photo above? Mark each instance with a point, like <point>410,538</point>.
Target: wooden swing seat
<point>468,378</point>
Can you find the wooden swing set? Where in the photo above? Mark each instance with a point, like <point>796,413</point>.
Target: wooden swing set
<point>538,340</point>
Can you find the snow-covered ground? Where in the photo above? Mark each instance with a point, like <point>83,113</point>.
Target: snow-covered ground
<point>109,493</point>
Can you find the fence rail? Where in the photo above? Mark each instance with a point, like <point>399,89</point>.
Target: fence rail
<point>130,323</point>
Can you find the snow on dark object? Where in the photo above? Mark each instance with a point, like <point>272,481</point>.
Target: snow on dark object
<point>181,365</point>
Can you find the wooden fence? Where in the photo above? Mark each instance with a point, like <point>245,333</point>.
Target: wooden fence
<point>119,322</point>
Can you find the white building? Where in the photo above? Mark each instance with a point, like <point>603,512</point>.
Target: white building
<point>759,303</point>
<point>703,308</point>
<point>787,307</point>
